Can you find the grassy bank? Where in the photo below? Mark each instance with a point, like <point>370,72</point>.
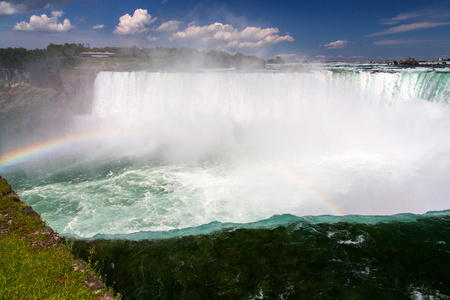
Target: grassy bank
<point>34,263</point>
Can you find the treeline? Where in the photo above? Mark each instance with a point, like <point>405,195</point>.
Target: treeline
<point>22,59</point>
<point>409,61</point>
<point>41,64</point>
<point>186,57</point>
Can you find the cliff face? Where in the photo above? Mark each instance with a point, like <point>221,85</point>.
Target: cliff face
<point>78,88</point>
<point>72,90</point>
<point>21,96</point>
<point>32,111</point>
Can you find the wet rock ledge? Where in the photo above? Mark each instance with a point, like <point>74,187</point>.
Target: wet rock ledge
<point>13,220</point>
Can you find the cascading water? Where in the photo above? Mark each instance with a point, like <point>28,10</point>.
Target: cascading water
<point>178,150</point>
<point>395,87</point>
<point>251,172</point>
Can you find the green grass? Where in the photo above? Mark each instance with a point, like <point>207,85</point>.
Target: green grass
<point>37,274</point>
<point>30,273</point>
<point>4,187</point>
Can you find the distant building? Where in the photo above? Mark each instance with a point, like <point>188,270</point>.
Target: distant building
<point>97,54</point>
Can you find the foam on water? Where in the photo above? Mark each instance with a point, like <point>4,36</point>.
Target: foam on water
<point>235,147</point>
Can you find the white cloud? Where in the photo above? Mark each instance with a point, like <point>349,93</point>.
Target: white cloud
<point>433,13</point>
<point>329,56</point>
<point>168,26</point>
<point>410,27</point>
<point>7,8</point>
<point>152,38</point>
<point>226,36</point>
<point>425,17</point>
<point>338,44</point>
<point>288,55</point>
<point>399,18</point>
<point>99,26</point>
<point>134,24</point>
<point>26,6</point>
<point>43,23</point>
<point>394,42</point>
<point>414,42</point>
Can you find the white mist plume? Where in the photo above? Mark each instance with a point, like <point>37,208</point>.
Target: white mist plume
<point>176,150</point>
<point>358,153</point>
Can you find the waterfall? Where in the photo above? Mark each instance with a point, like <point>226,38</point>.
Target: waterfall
<point>180,150</point>
<point>250,96</point>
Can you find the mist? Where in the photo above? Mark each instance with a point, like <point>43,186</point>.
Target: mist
<point>174,150</point>
<point>319,130</point>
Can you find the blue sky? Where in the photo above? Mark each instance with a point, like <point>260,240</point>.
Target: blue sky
<point>308,29</point>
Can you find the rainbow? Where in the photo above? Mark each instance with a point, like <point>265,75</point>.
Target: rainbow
<point>311,188</point>
<point>47,146</point>
<point>42,147</point>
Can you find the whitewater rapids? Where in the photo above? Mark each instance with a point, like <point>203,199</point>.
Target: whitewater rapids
<point>179,150</point>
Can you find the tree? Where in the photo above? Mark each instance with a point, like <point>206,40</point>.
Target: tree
<point>277,60</point>
<point>409,61</point>
<point>12,58</point>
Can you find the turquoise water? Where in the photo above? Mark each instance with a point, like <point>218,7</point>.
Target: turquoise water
<point>169,151</point>
<point>283,184</point>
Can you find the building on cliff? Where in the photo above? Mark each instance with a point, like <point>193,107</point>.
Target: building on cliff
<point>97,54</point>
